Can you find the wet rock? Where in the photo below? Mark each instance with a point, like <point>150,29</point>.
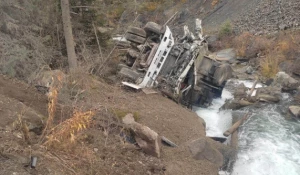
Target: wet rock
<point>269,94</point>
<point>201,149</point>
<point>236,104</point>
<point>240,91</point>
<point>267,98</point>
<point>146,138</point>
<point>295,110</point>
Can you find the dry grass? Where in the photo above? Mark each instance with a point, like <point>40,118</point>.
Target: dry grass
<point>214,3</point>
<point>269,65</point>
<point>65,133</point>
<point>52,97</point>
<point>273,49</point>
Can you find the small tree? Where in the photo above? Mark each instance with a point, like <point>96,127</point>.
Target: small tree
<point>72,60</point>
<point>226,29</point>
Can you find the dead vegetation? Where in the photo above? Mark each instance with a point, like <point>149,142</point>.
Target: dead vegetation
<point>271,50</point>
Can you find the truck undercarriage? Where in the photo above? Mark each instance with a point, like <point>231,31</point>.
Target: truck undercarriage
<point>179,69</point>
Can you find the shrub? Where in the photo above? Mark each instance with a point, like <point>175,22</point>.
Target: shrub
<point>269,65</point>
<point>226,29</point>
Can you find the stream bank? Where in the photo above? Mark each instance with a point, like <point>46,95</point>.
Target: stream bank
<point>268,140</point>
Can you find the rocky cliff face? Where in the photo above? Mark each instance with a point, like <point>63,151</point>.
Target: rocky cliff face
<point>269,16</point>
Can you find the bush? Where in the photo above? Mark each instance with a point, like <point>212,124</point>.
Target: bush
<point>226,29</point>
<point>269,65</point>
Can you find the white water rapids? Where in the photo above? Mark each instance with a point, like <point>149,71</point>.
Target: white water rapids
<point>269,144</point>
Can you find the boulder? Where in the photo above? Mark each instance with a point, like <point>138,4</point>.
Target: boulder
<point>296,67</point>
<point>295,110</point>
<point>201,149</point>
<point>240,91</point>
<point>269,94</point>
<point>146,138</point>
<point>236,104</point>
<point>286,82</point>
<point>226,54</point>
<point>9,28</point>
<point>267,98</point>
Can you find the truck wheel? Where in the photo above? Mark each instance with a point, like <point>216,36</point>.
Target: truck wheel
<point>137,31</point>
<point>152,27</point>
<point>222,74</point>
<point>135,38</point>
<point>129,61</point>
<point>128,73</point>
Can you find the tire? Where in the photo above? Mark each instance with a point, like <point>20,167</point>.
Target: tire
<point>152,27</point>
<point>128,73</point>
<point>135,38</point>
<point>137,31</point>
<point>222,74</point>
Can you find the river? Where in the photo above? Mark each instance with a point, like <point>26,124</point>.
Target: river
<point>269,144</point>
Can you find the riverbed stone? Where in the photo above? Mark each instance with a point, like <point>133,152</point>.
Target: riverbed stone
<point>240,91</point>
<point>236,104</point>
<point>295,110</point>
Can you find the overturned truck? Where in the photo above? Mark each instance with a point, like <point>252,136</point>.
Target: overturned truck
<point>179,69</point>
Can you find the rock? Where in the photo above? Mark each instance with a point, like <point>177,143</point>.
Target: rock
<point>146,138</point>
<point>249,70</point>
<point>49,78</point>
<point>9,28</point>
<point>295,110</point>
<point>104,29</point>
<point>296,67</point>
<point>286,82</point>
<point>236,104</point>
<point>226,54</point>
<point>282,27</point>
<point>201,149</point>
<point>128,119</point>
<point>240,91</point>
<point>267,98</point>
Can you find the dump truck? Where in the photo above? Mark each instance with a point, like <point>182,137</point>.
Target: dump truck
<point>178,67</point>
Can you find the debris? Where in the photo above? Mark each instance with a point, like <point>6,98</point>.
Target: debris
<point>235,126</point>
<point>253,88</point>
<point>33,162</point>
<point>168,142</point>
<point>180,68</point>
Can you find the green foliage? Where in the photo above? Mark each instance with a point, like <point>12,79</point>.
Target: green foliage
<point>226,29</point>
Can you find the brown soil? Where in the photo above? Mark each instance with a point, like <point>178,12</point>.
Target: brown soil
<point>100,149</point>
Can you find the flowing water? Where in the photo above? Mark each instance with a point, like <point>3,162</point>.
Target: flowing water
<point>269,144</point>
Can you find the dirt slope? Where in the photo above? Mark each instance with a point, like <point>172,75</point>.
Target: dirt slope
<point>102,142</point>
